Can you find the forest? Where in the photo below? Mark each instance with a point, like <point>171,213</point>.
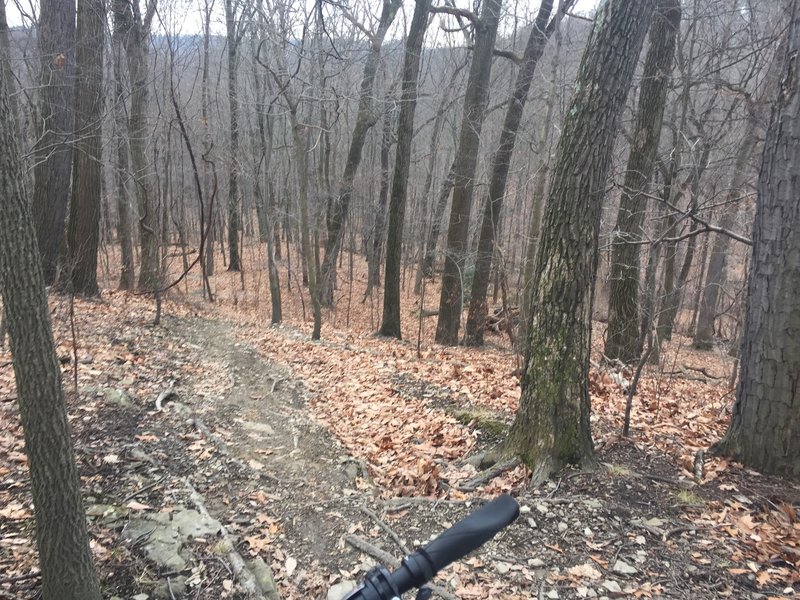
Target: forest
<point>289,288</point>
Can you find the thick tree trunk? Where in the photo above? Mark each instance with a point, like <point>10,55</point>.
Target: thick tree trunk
<point>365,119</point>
<point>766,414</point>
<point>64,556</point>
<point>53,150</point>
<point>501,163</point>
<point>476,99</point>
<point>83,230</point>
<point>540,184</point>
<point>551,428</point>
<point>390,324</point>
<point>622,340</point>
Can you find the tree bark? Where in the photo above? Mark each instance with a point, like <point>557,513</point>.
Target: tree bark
<point>62,541</point>
<point>234,201</point>
<point>53,149</point>
<point>390,325</point>
<point>476,99</point>
<point>551,428</point>
<point>375,251</point>
<point>365,119</point>
<point>83,226</point>
<point>501,163</point>
<point>133,29</point>
<point>766,414</point>
<point>622,340</point>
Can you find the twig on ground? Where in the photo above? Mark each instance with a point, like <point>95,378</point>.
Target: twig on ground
<point>146,488</point>
<point>389,531</point>
<point>16,578</point>
<point>489,474</point>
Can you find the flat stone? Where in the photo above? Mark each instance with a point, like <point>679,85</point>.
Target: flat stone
<point>611,586</point>
<point>624,568</point>
<point>341,589</point>
<point>258,427</point>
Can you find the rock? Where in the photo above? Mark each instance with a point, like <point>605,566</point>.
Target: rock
<point>654,522</point>
<point>341,589</point>
<point>535,563</point>
<point>588,533</point>
<point>552,594</point>
<point>86,359</point>
<point>118,397</point>
<point>532,523</point>
<point>264,578</point>
<point>140,597</point>
<point>624,568</point>
<point>611,586</point>
<point>542,508</point>
<point>593,504</point>
<point>524,509</point>
<point>562,527</point>
<point>502,567</point>
<point>258,427</point>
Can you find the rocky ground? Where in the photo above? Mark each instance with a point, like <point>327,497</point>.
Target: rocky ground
<point>215,469</point>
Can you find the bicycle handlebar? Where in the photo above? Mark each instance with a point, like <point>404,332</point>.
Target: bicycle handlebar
<point>421,566</point>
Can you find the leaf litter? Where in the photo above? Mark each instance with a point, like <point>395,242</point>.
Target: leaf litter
<point>400,416</point>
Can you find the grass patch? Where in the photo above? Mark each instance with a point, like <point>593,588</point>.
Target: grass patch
<point>482,421</point>
<point>689,498</point>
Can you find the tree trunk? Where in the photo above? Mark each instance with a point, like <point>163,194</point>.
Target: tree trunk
<point>234,201</point>
<point>540,184</point>
<point>365,119</point>
<point>551,428</point>
<point>622,340</point>
<point>62,541</point>
<point>127,271</point>
<point>53,149</point>
<point>83,230</point>
<point>436,222</point>
<point>390,324</point>
<point>501,162</point>
<point>476,99</point>
<point>766,414</point>
<point>134,29</point>
<point>704,334</point>
<point>375,254</point>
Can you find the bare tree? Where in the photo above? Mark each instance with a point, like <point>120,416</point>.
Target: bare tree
<point>551,428</point>
<point>83,226</point>
<point>542,28</point>
<point>465,163</point>
<point>64,556</point>
<point>390,325</point>
<point>766,414</point>
<point>53,148</point>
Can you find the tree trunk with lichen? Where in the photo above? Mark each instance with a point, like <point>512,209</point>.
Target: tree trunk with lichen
<point>551,428</point>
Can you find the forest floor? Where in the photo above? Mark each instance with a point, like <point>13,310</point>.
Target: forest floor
<point>304,451</point>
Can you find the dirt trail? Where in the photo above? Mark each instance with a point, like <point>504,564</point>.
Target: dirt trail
<point>303,470</point>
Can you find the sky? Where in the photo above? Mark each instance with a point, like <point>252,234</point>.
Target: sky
<point>192,9</point>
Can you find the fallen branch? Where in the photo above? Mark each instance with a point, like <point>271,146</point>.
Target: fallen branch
<point>389,531</point>
<point>243,574</point>
<point>489,474</point>
<point>389,560</point>
<point>31,575</point>
<point>398,504</point>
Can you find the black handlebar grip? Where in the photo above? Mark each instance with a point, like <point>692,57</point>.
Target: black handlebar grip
<point>471,532</point>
